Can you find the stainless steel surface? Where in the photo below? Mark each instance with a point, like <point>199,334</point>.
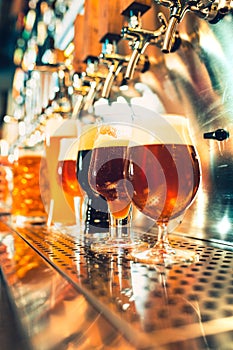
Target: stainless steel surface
<point>51,308</point>
<point>196,81</point>
<point>67,298</point>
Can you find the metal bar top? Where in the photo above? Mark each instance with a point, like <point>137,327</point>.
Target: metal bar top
<point>67,298</point>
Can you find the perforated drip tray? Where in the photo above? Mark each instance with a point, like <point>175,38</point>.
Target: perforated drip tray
<point>183,306</point>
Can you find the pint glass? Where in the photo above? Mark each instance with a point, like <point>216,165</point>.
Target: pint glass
<point>60,211</point>
<point>30,187</point>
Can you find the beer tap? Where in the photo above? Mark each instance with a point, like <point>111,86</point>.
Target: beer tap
<point>115,63</point>
<point>91,82</point>
<point>140,39</point>
<point>177,11</point>
<point>210,10</point>
<point>81,88</point>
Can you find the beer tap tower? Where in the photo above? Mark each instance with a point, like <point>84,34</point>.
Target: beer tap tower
<point>110,35</point>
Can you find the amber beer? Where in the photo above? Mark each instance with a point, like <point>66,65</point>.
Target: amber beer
<point>107,178</point>
<point>4,191</point>
<point>165,179</point>
<point>66,169</point>
<point>60,211</point>
<point>29,187</point>
<point>67,178</point>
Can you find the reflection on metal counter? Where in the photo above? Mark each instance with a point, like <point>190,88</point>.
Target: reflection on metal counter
<point>50,311</point>
<point>66,298</point>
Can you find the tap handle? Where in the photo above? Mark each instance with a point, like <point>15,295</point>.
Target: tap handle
<point>219,135</point>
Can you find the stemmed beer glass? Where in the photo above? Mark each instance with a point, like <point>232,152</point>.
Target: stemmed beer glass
<point>107,177</point>
<point>164,170</point>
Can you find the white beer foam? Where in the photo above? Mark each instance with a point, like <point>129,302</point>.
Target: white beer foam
<point>118,111</point>
<point>68,149</point>
<point>109,141</point>
<point>61,127</point>
<point>158,129</point>
<point>114,134</point>
<point>148,99</point>
<point>87,137</point>
<point>148,126</point>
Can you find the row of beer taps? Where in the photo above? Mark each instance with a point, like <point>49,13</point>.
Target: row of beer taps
<point>166,37</point>
<point>94,83</point>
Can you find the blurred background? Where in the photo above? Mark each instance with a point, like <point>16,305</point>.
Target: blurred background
<point>9,28</point>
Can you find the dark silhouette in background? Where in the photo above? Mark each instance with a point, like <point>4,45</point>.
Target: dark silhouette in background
<point>7,46</point>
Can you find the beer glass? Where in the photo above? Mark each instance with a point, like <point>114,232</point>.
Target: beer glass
<point>60,212</point>
<point>164,171</point>
<point>95,211</point>
<point>67,179</point>
<point>30,186</point>
<point>6,178</point>
<point>107,177</point>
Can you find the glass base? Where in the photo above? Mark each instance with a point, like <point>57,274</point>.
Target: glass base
<point>117,245</point>
<point>5,209</point>
<point>21,220</point>
<point>161,257</point>
<point>74,230</point>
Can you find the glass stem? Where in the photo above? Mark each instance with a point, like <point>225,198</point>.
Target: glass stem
<point>115,227</point>
<point>120,227</point>
<point>162,245</point>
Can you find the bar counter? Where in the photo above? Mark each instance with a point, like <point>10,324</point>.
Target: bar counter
<point>64,297</point>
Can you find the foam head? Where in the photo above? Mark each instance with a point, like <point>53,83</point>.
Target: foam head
<point>68,149</point>
<point>153,128</point>
<point>60,127</point>
<point>87,137</point>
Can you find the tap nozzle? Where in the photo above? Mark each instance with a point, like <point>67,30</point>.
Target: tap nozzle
<point>177,11</point>
<point>140,39</point>
<point>116,62</point>
<point>210,10</point>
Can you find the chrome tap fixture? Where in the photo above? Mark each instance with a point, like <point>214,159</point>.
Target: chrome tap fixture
<point>141,38</point>
<point>90,83</point>
<point>166,37</point>
<point>115,63</point>
<point>210,10</point>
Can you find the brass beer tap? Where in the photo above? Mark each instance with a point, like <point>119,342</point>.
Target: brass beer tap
<point>91,83</point>
<point>114,62</point>
<point>140,38</point>
<point>210,10</point>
